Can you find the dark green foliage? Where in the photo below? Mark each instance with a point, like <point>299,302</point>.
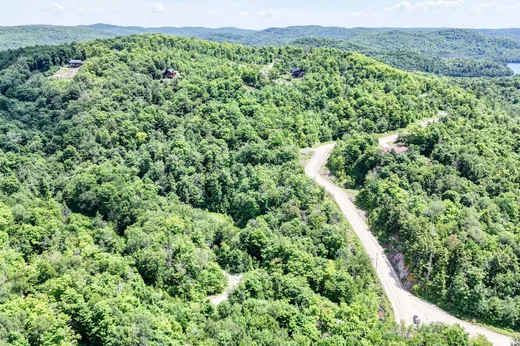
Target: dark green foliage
<point>124,195</point>
<point>30,35</point>
<point>451,204</point>
<point>353,159</point>
<point>406,55</point>
<point>450,52</point>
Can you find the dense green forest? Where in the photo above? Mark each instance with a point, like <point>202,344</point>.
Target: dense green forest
<point>511,33</point>
<point>413,60</point>
<point>123,196</point>
<point>30,35</point>
<point>450,52</point>
<point>451,204</point>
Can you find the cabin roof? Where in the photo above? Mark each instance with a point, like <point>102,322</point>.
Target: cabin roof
<point>75,61</point>
<point>169,70</point>
<point>296,69</point>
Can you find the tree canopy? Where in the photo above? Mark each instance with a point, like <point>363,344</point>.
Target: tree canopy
<point>450,204</point>
<point>449,52</point>
<point>124,196</point>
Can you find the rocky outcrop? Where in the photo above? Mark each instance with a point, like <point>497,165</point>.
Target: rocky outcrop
<point>398,262</point>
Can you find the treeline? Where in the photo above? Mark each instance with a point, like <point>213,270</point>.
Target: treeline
<point>449,52</point>
<point>15,37</point>
<point>411,59</point>
<point>451,204</point>
<point>123,196</point>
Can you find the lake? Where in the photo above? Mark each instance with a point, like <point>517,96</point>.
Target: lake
<point>515,67</point>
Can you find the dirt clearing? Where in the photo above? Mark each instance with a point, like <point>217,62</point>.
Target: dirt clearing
<point>65,73</point>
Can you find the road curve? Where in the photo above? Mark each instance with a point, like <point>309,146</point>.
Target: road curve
<point>387,142</point>
<point>404,304</point>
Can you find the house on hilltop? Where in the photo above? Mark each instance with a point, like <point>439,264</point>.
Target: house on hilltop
<point>297,72</point>
<point>75,63</point>
<point>170,74</point>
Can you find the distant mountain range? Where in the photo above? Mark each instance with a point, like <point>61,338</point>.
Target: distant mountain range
<point>286,35</point>
<point>455,52</point>
<point>21,36</point>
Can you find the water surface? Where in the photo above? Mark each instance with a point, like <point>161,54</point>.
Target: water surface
<point>515,67</point>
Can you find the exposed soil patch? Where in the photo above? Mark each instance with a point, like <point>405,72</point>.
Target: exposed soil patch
<point>232,283</point>
<point>65,73</point>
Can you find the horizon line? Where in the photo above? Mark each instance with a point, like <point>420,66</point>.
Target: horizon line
<point>266,28</point>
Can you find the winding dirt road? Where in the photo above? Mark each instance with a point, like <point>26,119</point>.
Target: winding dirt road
<point>388,142</point>
<point>404,304</point>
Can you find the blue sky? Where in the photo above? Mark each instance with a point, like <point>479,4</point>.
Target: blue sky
<point>266,13</point>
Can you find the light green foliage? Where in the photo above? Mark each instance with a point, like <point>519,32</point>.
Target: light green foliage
<point>124,196</point>
<point>353,159</point>
<point>450,52</point>
<point>451,203</point>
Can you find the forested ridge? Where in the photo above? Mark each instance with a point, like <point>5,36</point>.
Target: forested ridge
<point>124,195</point>
<point>449,52</point>
<point>30,35</point>
<point>451,203</point>
<point>406,57</point>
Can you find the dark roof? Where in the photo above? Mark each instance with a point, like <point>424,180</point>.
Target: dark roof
<point>296,69</point>
<point>75,62</point>
<point>169,70</point>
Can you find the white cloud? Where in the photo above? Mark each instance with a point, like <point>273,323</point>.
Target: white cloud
<point>159,8</point>
<point>243,14</point>
<point>267,13</point>
<point>408,13</point>
<point>58,6</point>
<point>482,6</point>
<point>85,10</point>
<point>398,7</point>
<point>425,5</point>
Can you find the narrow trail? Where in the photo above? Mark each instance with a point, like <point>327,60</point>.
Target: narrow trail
<point>232,283</point>
<point>268,68</point>
<point>404,304</point>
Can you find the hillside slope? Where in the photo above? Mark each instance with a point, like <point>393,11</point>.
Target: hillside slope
<point>512,33</point>
<point>404,304</point>
<point>448,209</point>
<point>451,52</point>
<point>30,35</point>
<point>123,196</point>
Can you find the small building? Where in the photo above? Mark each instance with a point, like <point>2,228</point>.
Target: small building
<point>297,72</point>
<point>170,74</point>
<point>75,63</point>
